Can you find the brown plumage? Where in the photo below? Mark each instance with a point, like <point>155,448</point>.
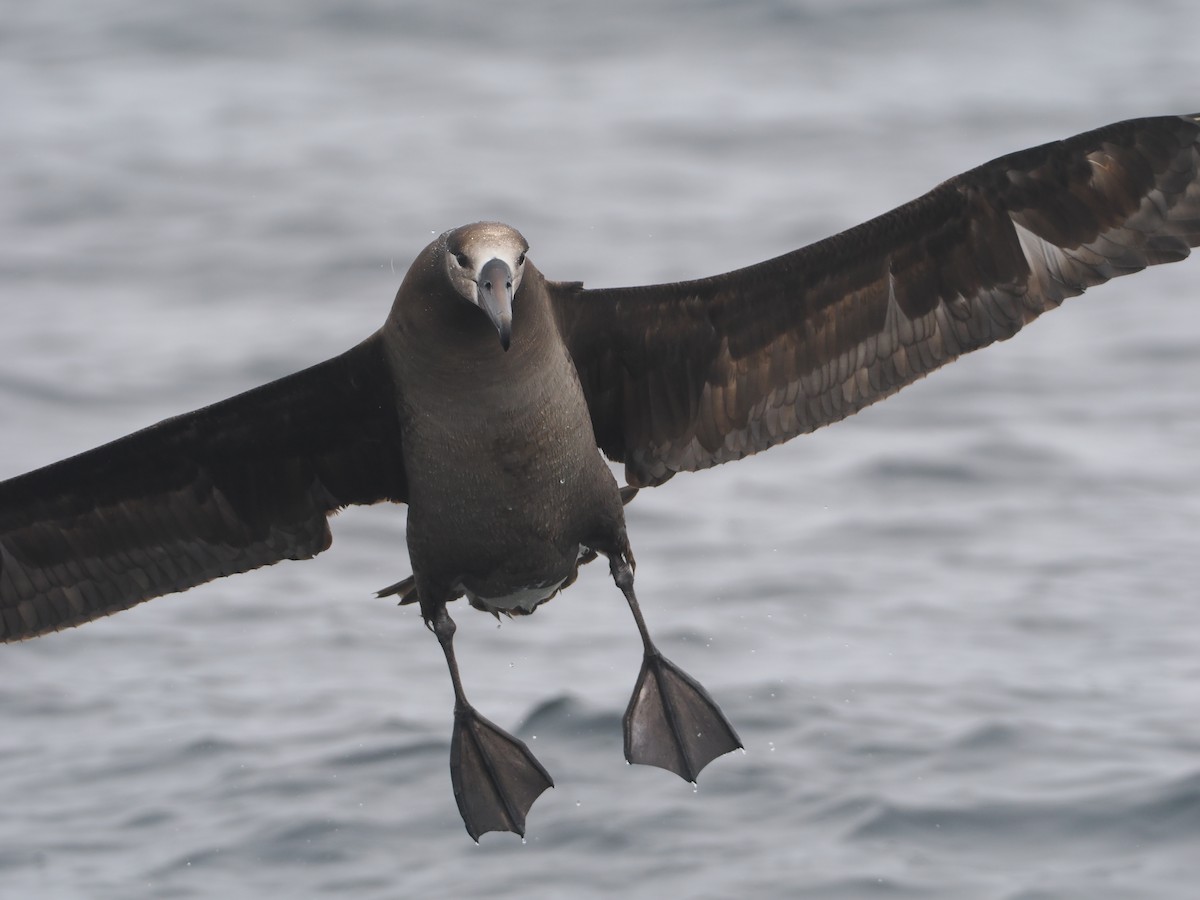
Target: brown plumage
<point>241,484</point>
<point>494,447</point>
<point>684,376</point>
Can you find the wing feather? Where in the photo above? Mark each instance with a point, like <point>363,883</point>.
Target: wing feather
<point>685,376</point>
<point>244,483</point>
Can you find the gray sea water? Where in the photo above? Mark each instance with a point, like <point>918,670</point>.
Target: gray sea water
<point>959,633</point>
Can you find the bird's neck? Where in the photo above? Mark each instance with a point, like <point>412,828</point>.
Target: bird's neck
<point>442,346</point>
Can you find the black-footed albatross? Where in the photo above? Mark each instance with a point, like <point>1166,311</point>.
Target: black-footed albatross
<point>485,401</point>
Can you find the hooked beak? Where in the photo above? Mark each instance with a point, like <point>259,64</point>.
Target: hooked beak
<point>495,292</point>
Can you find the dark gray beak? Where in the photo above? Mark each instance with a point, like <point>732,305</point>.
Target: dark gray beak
<point>496,296</point>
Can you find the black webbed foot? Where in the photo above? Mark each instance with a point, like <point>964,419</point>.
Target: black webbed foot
<point>494,776</point>
<point>671,721</point>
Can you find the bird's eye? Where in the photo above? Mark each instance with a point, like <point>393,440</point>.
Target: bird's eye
<point>461,259</point>
<point>521,260</point>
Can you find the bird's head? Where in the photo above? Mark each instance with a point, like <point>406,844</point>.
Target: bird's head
<point>484,262</point>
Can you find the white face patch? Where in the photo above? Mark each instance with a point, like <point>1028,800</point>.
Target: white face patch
<point>469,248</point>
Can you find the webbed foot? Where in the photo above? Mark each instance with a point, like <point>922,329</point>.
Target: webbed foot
<point>494,776</point>
<point>672,722</point>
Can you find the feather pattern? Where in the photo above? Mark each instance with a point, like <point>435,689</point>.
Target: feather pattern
<point>241,484</point>
<point>675,377</point>
<point>685,376</point>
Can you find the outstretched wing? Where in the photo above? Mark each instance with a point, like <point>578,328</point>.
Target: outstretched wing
<point>231,487</point>
<point>684,376</point>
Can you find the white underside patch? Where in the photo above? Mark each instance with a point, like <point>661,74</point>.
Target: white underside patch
<point>525,599</point>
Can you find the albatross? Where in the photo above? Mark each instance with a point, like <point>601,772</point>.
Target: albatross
<point>489,397</point>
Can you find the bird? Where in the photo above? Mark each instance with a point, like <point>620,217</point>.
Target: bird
<point>491,395</point>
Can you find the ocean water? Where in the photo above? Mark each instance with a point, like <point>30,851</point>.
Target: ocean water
<point>959,633</point>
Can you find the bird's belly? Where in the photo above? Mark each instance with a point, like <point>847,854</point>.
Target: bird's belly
<point>521,601</point>
<point>518,592</point>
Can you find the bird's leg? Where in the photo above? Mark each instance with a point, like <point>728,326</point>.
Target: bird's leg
<point>494,776</point>
<point>671,721</point>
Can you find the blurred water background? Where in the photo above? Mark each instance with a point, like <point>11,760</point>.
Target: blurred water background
<point>959,633</point>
